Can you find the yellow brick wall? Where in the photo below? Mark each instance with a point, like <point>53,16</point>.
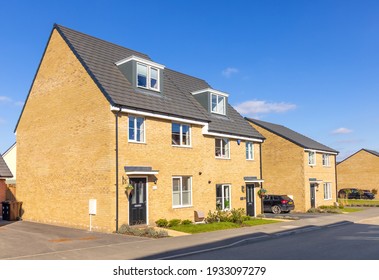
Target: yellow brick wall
<point>65,145</point>
<point>286,171</point>
<point>359,171</point>
<point>198,161</point>
<point>66,154</point>
<point>326,174</point>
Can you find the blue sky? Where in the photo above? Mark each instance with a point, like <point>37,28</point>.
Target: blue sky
<point>312,66</point>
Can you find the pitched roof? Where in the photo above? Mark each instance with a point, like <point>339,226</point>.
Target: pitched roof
<point>4,170</point>
<point>375,153</point>
<point>293,136</point>
<point>98,57</point>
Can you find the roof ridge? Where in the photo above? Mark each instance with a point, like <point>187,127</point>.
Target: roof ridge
<point>60,27</point>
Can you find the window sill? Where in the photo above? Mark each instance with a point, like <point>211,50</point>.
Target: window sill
<point>223,158</point>
<point>182,207</point>
<point>250,159</point>
<point>181,146</point>
<point>136,142</point>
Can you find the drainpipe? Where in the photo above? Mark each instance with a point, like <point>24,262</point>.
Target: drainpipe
<point>117,116</point>
<point>261,173</point>
<point>335,172</point>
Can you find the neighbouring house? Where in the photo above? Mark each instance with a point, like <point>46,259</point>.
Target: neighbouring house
<point>298,166</point>
<point>108,131</point>
<point>360,170</point>
<point>9,157</point>
<point>4,174</point>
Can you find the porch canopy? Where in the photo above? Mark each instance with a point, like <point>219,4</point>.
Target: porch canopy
<point>315,181</point>
<point>252,179</point>
<point>140,170</point>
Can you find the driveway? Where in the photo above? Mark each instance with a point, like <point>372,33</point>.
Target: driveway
<point>29,240</point>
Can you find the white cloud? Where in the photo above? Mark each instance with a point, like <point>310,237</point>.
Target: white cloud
<point>342,130</point>
<point>4,98</point>
<point>228,72</point>
<point>253,107</point>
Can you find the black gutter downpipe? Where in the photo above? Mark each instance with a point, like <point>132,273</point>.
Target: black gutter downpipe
<point>261,173</point>
<point>117,116</point>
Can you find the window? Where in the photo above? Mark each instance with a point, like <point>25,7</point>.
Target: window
<point>181,191</point>
<point>180,134</point>
<point>249,150</point>
<point>136,129</point>
<point>312,158</point>
<point>223,197</point>
<point>147,77</point>
<point>218,104</point>
<point>222,148</point>
<point>327,191</point>
<point>325,160</point>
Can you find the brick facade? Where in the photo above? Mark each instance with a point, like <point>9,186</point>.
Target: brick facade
<point>361,170</point>
<point>66,154</point>
<point>3,190</point>
<point>285,170</point>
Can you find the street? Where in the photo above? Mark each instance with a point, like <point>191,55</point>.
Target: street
<point>343,242</point>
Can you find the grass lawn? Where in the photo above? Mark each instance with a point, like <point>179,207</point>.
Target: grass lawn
<point>358,202</point>
<point>351,209</point>
<point>198,228</point>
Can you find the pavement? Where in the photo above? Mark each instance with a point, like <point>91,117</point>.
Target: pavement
<point>29,241</point>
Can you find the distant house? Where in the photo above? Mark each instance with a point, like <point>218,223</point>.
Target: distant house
<point>296,165</point>
<point>107,127</point>
<point>9,157</point>
<point>360,170</point>
<point>4,174</point>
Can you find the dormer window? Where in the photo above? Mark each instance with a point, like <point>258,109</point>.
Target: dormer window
<point>213,100</point>
<point>142,73</point>
<point>218,104</point>
<point>147,77</point>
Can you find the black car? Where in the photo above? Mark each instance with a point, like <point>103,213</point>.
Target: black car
<point>277,203</point>
<point>353,193</point>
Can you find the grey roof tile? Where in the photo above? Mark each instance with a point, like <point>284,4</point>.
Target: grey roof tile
<point>4,170</point>
<point>99,57</point>
<point>375,153</point>
<point>293,136</point>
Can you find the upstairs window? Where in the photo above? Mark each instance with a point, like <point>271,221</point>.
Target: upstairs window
<point>180,134</point>
<point>222,148</point>
<point>136,129</point>
<point>147,77</point>
<point>218,104</point>
<point>249,151</point>
<point>325,160</point>
<point>311,158</point>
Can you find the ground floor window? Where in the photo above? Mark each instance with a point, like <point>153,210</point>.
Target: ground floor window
<point>327,191</point>
<point>181,191</point>
<point>223,197</point>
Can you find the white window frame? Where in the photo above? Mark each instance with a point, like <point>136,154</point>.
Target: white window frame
<point>148,77</point>
<point>223,208</point>
<point>222,150</point>
<point>326,160</point>
<point>249,151</point>
<point>180,205</point>
<point>313,163</point>
<point>328,191</point>
<point>217,111</point>
<point>135,129</point>
<point>181,144</point>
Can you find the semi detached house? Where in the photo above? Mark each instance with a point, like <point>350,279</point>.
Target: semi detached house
<point>107,129</point>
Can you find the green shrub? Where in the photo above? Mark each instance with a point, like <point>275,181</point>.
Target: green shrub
<point>161,223</point>
<point>174,222</point>
<point>186,222</point>
<point>146,232</point>
<point>236,216</point>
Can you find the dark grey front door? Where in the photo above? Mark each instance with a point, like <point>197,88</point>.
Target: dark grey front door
<point>313,195</point>
<point>250,200</point>
<point>137,201</point>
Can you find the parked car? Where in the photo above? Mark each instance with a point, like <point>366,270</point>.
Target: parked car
<point>353,193</point>
<point>277,203</point>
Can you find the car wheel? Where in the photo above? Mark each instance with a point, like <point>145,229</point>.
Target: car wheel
<point>276,209</point>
